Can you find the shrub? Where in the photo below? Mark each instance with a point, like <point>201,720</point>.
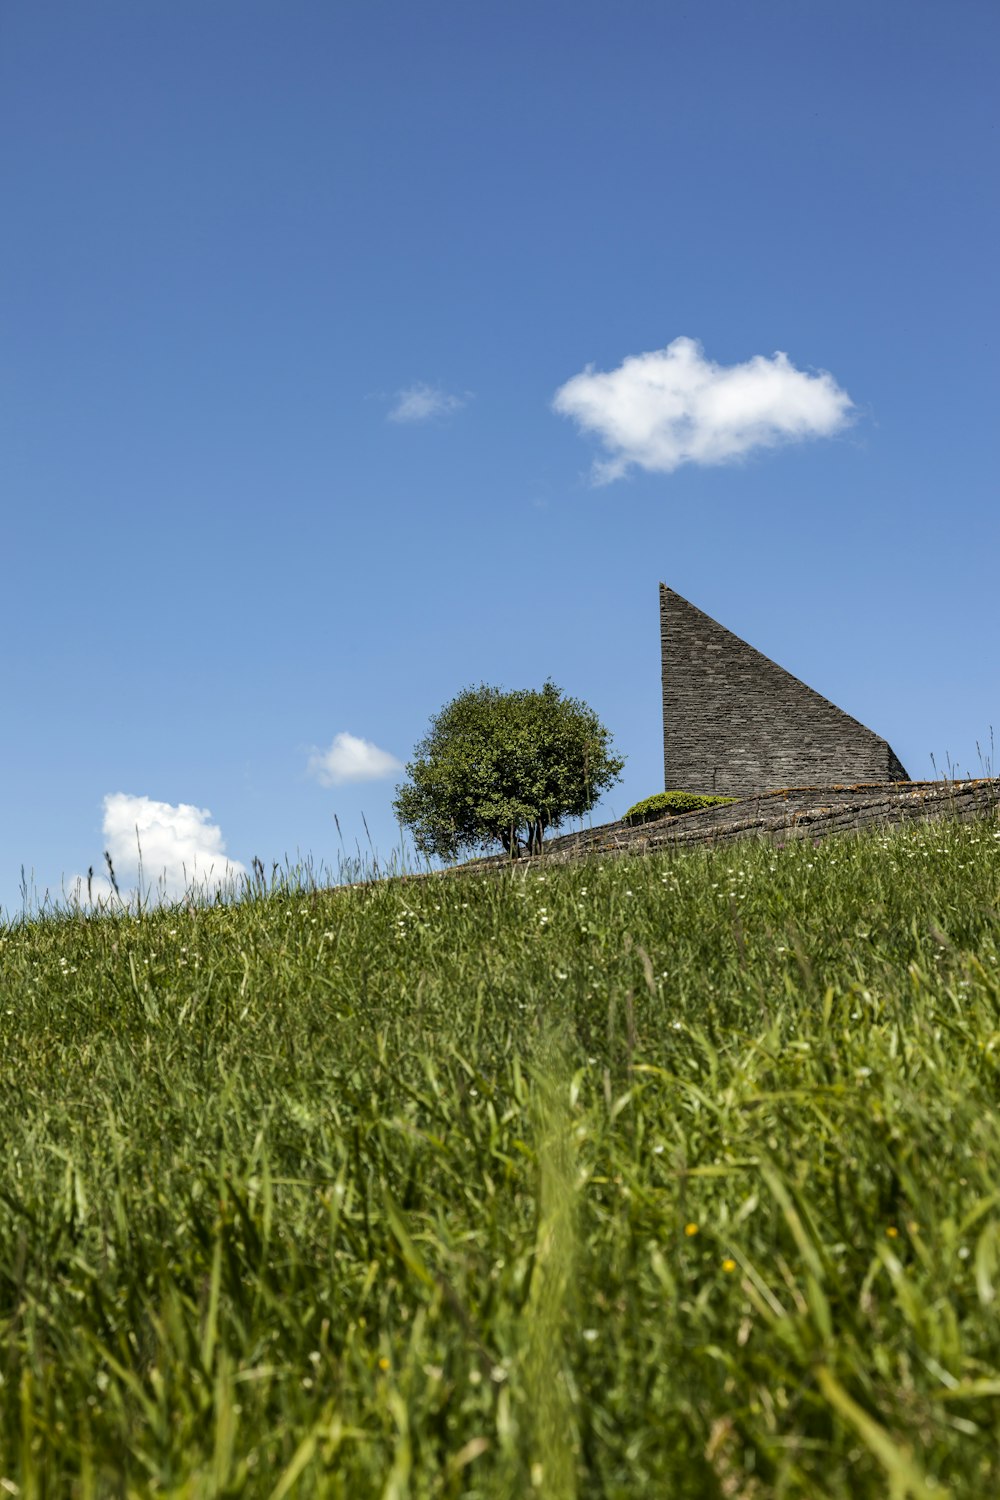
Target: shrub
<point>498,767</point>
<point>669,805</point>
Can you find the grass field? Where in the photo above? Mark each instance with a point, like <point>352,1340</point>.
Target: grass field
<point>668,1177</point>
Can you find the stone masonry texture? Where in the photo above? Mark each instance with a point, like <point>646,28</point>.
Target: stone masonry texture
<point>737,724</point>
<point>811,812</point>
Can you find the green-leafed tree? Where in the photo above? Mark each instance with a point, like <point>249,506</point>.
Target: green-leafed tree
<point>498,767</point>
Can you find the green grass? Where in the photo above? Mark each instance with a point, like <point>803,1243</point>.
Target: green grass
<point>668,1177</point>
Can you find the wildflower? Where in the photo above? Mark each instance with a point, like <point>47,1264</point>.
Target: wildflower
<point>690,1229</point>
<point>729,1265</point>
<point>383,1363</point>
<point>892,1231</point>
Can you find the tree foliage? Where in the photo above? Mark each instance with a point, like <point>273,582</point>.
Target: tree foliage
<point>499,767</point>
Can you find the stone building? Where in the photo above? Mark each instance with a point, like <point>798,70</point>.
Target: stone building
<point>736,723</point>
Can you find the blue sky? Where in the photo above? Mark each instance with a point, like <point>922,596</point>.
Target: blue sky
<point>288,292</point>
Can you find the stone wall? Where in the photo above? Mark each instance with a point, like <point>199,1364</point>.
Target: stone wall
<point>736,723</point>
<point>811,812</point>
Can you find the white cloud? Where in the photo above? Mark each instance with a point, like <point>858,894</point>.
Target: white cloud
<point>673,406</point>
<point>421,403</point>
<point>180,848</point>
<point>349,758</point>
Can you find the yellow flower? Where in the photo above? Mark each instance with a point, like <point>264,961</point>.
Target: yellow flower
<point>892,1231</point>
<point>690,1229</point>
<point>728,1265</point>
<point>383,1363</point>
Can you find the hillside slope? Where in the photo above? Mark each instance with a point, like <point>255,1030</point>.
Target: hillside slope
<point>624,1178</point>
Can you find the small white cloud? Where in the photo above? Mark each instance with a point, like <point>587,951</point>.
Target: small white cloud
<point>421,403</point>
<point>349,758</point>
<point>673,406</point>
<point>179,847</point>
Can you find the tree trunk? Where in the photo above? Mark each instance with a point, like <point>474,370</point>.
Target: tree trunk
<point>511,842</point>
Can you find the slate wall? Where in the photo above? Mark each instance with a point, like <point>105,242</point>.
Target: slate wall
<point>783,817</point>
<point>736,723</point>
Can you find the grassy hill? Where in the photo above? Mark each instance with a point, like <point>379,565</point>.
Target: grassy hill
<point>676,1176</point>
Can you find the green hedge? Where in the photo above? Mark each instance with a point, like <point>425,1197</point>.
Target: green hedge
<point>669,804</point>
